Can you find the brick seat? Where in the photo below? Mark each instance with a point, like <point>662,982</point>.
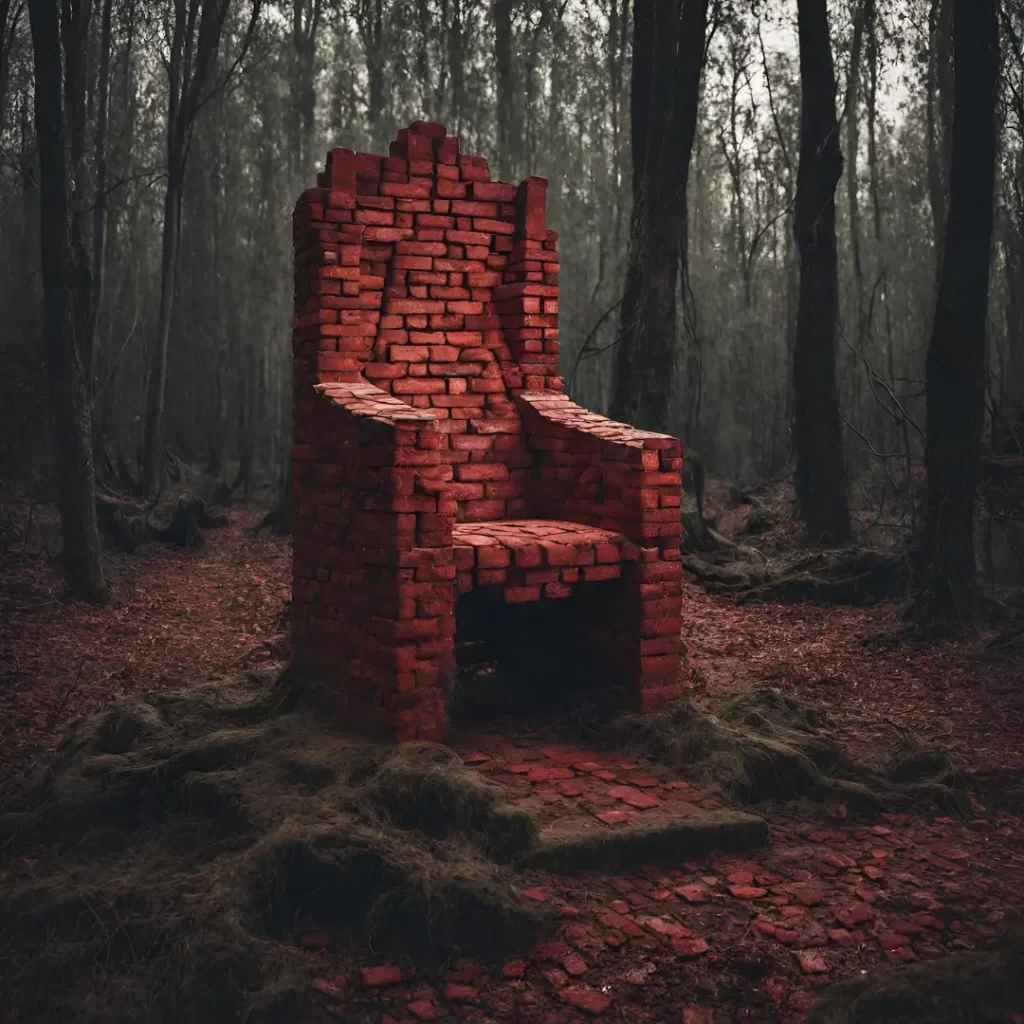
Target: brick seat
<point>434,452</point>
<point>527,559</point>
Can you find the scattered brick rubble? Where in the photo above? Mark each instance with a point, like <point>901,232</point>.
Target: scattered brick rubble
<point>731,937</point>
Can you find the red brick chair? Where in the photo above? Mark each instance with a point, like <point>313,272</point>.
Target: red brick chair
<point>434,451</point>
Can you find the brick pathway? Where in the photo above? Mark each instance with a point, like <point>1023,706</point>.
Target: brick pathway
<point>725,938</point>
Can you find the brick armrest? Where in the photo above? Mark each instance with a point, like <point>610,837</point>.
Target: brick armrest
<point>368,403</point>
<point>593,470</point>
<point>368,468</point>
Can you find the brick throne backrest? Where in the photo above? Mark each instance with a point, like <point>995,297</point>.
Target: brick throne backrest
<point>419,274</point>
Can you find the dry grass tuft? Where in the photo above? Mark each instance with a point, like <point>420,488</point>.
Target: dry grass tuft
<point>166,855</point>
<point>762,745</point>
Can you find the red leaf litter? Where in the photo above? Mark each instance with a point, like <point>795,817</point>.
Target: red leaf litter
<point>747,937</point>
<point>181,616</point>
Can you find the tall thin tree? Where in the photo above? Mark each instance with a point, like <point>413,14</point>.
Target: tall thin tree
<point>668,49</point>
<point>99,228</point>
<point>818,434</point>
<point>505,97</point>
<point>69,389</point>
<point>307,18</point>
<point>197,28</point>
<point>939,118</point>
<point>956,355</point>
<point>10,15</point>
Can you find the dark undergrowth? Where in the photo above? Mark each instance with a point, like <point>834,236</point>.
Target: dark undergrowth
<point>173,847</point>
<point>170,854</point>
<point>173,850</point>
<point>968,988</point>
<point>763,745</point>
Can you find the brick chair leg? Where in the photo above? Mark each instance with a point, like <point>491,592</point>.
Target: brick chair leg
<point>630,647</point>
<point>424,677</point>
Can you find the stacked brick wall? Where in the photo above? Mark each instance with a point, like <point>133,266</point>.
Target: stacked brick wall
<point>614,477</point>
<point>427,395</point>
<point>455,303</point>
<point>373,588</point>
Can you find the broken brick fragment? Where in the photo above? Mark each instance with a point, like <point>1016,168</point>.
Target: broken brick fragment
<point>811,963</point>
<point>585,998</point>
<point>377,977</point>
<point>423,1009</point>
<point>634,797</point>
<point>687,947</point>
<point>747,892</point>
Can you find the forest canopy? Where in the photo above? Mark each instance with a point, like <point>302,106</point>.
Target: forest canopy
<point>192,127</point>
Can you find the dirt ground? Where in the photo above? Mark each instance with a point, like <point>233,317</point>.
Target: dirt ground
<point>749,937</point>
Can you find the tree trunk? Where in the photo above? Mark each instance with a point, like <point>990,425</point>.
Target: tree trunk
<point>956,356</point>
<point>820,463</point>
<point>99,229</point>
<point>504,88</point>
<point>190,65</point>
<point>372,31</point>
<point>1011,440</point>
<point>306,15</point>
<point>641,80</point>
<point>850,369</point>
<point>532,86</point>
<point>8,27</point>
<point>665,87</point>
<point>615,60</point>
<point>939,118</point>
<point>689,68</point>
<point>888,432</point>
<point>456,64</point>
<point>852,153</point>
<point>649,300</point>
<point>624,398</point>
<point>68,385</point>
<point>732,152</point>
<point>423,62</point>
<point>76,16</point>
<point>152,445</point>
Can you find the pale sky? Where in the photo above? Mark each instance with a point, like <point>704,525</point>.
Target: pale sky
<point>895,80</point>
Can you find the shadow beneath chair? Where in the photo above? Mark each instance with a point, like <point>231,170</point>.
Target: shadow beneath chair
<point>533,660</point>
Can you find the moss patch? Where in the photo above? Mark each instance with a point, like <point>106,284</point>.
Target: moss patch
<point>763,745</point>
<point>969,988</point>
<point>172,848</point>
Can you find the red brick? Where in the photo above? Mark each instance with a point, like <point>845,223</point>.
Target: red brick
<point>385,271</point>
<point>484,510</point>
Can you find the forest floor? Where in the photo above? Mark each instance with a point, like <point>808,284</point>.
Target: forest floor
<point>748,937</point>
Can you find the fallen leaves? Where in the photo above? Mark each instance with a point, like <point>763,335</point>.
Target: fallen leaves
<point>181,616</point>
<point>831,897</point>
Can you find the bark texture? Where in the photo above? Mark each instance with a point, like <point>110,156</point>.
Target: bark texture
<point>818,434</point>
<point>668,57</point>
<point>956,355</point>
<point>69,389</point>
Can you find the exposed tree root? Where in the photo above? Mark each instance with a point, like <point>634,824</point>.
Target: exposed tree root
<point>175,842</point>
<point>129,524</point>
<point>189,518</point>
<point>855,576</point>
<point>848,576</point>
<point>164,861</point>
<point>279,519</point>
<point>763,745</point>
